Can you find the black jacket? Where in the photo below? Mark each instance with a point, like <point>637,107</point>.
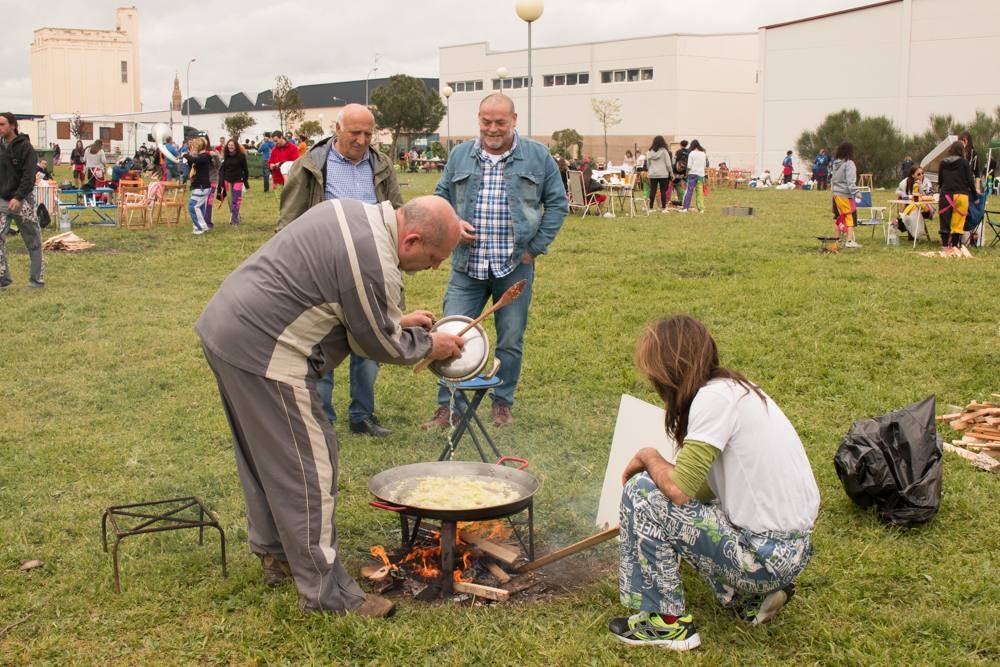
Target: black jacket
<point>18,162</point>
<point>234,169</point>
<point>955,177</point>
<point>202,165</point>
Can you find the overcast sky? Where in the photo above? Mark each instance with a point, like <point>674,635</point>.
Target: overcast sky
<point>244,45</point>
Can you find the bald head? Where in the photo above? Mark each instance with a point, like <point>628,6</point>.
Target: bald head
<point>497,121</point>
<point>428,230</point>
<point>354,127</point>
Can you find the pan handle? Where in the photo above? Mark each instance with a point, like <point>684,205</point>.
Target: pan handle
<point>382,505</point>
<point>503,459</point>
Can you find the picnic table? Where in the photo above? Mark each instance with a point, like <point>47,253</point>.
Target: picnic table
<point>77,202</point>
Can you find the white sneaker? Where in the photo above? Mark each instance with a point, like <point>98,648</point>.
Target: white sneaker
<point>198,232</point>
<point>683,210</point>
<point>852,244</point>
<point>701,210</point>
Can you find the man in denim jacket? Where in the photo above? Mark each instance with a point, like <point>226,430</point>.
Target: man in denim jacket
<point>507,188</point>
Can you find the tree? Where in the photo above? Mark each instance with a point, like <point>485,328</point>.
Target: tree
<point>310,128</point>
<point>609,114</point>
<point>76,127</point>
<point>286,102</point>
<point>405,106</point>
<point>568,143</point>
<point>238,123</point>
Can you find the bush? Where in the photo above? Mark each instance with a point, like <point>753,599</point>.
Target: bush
<point>255,165</point>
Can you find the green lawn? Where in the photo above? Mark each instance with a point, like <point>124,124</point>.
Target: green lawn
<point>107,400</point>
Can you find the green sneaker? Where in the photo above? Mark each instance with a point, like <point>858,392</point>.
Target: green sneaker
<point>762,608</point>
<point>647,629</point>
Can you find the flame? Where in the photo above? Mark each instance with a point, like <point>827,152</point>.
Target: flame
<point>379,552</point>
<point>489,530</point>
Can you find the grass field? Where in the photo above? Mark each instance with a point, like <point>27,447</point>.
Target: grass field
<point>107,400</point>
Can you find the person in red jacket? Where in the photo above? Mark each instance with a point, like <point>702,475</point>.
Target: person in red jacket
<point>283,151</point>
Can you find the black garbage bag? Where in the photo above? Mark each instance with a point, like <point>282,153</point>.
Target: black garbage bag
<point>894,463</point>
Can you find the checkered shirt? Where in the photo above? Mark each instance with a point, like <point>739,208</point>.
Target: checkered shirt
<point>490,254</point>
<point>346,180</point>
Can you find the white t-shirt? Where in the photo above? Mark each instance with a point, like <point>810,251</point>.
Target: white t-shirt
<point>762,479</point>
<point>697,162</point>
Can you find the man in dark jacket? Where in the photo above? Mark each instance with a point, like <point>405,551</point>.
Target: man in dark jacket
<point>18,162</point>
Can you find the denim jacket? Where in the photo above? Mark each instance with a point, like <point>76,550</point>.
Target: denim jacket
<point>533,184</point>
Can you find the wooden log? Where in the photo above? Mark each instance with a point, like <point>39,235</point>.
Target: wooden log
<point>501,553</point>
<point>498,572</point>
<point>977,459</point>
<point>567,551</point>
<point>948,417</point>
<point>488,592</point>
<point>375,572</point>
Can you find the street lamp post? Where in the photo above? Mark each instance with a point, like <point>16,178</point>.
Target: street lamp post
<point>368,76</point>
<point>448,92</point>
<point>529,11</point>
<point>188,79</point>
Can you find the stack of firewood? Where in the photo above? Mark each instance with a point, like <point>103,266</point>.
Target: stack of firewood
<point>66,242</point>
<point>980,426</point>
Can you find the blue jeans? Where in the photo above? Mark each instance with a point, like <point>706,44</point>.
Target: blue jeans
<point>362,378</point>
<point>467,296</point>
<point>267,177</point>
<point>196,207</point>
<point>736,563</point>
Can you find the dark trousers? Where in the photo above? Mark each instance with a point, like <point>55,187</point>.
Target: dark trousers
<point>664,186</point>
<point>267,177</point>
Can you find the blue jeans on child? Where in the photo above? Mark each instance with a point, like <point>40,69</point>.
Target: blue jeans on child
<point>657,533</point>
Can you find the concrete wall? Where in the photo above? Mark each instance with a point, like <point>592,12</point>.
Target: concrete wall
<point>703,86</point>
<point>905,60</point>
<point>79,71</point>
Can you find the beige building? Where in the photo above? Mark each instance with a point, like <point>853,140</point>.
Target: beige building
<point>903,59</point>
<point>87,71</point>
<point>681,86</point>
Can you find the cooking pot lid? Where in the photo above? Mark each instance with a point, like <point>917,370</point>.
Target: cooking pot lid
<point>474,353</point>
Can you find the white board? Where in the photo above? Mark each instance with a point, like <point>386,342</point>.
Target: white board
<point>639,425</point>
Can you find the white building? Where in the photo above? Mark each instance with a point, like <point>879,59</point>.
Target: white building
<point>76,70</point>
<point>903,59</point>
<point>681,86</point>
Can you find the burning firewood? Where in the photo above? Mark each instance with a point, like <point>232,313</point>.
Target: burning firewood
<point>501,553</point>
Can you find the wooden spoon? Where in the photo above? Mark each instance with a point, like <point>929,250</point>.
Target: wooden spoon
<point>512,293</point>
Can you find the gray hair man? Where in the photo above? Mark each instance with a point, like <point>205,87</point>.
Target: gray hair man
<point>326,286</point>
<point>345,167</point>
<point>507,190</point>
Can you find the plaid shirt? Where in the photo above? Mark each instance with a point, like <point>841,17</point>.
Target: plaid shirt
<point>346,180</point>
<point>490,253</point>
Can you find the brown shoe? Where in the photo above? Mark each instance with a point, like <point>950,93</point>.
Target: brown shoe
<point>442,419</point>
<point>376,606</point>
<point>502,416</point>
<point>276,571</point>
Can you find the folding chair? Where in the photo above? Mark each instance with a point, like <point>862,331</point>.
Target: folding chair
<point>992,224</point>
<point>126,188</point>
<point>870,215</point>
<point>174,201</point>
<point>632,188</point>
<point>135,204</point>
<point>578,197</point>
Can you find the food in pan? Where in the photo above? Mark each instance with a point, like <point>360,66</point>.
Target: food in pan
<point>458,492</point>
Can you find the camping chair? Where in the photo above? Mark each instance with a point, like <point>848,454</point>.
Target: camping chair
<point>868,214</point>
<point>578,197</point>
<point>174,201</point>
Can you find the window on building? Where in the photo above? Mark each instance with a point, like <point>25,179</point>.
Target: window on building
<point>466,86</point>
<point>62,130</point>
<point>510,82</point>
<point>625,75</point>
<point>124,71</point>
<point>569,79</point>
<point>105,135</point>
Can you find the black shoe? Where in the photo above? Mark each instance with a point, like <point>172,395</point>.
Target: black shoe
<point>369,426</point>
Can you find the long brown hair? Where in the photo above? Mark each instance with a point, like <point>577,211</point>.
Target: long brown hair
<point>678,356</point>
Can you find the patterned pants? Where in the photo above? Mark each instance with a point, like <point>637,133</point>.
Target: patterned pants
<point>656,534</point>
<point>31,234</point>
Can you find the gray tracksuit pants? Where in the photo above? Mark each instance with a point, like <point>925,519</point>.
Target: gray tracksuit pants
<point>286,455</point>
<point>31,234</point>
